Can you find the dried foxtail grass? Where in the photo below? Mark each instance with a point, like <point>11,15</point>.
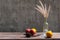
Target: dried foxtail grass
<point>43,9</point>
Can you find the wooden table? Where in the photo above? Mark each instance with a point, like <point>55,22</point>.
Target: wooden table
<point>21,36</point>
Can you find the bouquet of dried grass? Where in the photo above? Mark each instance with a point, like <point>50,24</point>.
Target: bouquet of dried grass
<point>43,9</point>
<point>45,12</point>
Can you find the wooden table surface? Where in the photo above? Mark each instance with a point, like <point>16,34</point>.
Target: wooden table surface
<point>21,36</point>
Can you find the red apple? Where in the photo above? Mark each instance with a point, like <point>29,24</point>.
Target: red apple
<point>33,31</point>
<point>28,30</point>
<point>28,34</point>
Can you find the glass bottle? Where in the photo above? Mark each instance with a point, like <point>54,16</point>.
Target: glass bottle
<point>45,28</point>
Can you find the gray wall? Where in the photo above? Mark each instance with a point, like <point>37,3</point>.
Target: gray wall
<point>17,15</point>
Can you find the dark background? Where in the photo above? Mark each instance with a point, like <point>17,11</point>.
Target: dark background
<point>17,15</point>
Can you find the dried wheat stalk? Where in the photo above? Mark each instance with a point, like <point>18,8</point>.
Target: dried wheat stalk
<point>43,9</point>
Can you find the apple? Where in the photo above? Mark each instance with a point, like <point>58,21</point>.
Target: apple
<point>28,30</point>
<point>33,31</point>
<point>28,34</point>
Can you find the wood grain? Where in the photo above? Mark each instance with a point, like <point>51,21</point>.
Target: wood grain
<point>21,36</point>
